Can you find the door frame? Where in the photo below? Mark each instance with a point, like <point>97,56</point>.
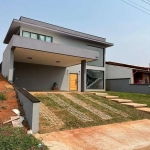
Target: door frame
<point>77,81</point>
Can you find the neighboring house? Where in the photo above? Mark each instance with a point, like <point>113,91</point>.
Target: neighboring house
<point>39,54</point>
<point>127,78</point>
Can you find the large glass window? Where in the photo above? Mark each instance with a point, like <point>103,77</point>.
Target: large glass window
<point>95,79</point>
<point>34,36</point>
<point>48,39</point>
<point>26,34</point>
<point>42,37</point>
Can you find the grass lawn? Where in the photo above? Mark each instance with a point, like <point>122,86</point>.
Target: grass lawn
<point>135,97</point>
<point>107,107</point>
<point>18,139</point>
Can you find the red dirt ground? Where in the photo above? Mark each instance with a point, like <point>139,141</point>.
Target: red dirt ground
<point>10,103</point>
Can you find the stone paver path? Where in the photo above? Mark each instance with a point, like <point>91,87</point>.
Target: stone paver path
<point>81,116</point>
<point>50,116</point>
<point>110,97</point>
<point>121,100</point>
<point>135,105</point>
<point>106,106</point>
<point>124,136</point>
<point>101,94</point>
<point>88,107</point>
<point>145,109</point>
<point>141,107</point>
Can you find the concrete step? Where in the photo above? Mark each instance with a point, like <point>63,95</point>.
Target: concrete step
<point>145,109</point>
<point>135,105</point>
<point>101,94</point>
<point>122,100</point>
<point>110,97</point>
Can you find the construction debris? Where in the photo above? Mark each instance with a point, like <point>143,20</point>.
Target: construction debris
<point>16,111</point>
<point>17,117</point>
<point>17,122</point>
<point>29,132</point>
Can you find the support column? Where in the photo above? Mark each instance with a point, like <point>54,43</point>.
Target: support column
<point>11,66</point>
<point>83,75</point>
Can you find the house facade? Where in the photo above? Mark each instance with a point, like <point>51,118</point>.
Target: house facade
<point>39,54</point>
<point>127,78</point>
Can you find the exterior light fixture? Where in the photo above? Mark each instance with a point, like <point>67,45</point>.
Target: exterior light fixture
<point>29,57</point>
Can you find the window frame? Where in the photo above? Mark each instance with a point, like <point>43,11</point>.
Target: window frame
<point>49,37</point>
<point>26,31</point>
<point>33,33</point>
<point>103,54</point>
<point>38,36</point>
<point>103,76</point>
<point>42,35</point>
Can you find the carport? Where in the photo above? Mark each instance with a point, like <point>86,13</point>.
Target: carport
<point>30,51</point>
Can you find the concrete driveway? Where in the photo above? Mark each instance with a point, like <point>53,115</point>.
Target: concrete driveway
<point>134,135</point>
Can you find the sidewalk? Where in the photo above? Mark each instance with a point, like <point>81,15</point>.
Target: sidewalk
<point>134,135</point>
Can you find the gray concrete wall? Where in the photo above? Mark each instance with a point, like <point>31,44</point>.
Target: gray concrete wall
<point>71,41</point>
<point>29,43</point>
<point>117,72</point>
<point>61,39</point>
<point>8,59</point>
<point>61,29</point>
<point>39,77</point>
<point>31,109</point>
<point>123,85</point>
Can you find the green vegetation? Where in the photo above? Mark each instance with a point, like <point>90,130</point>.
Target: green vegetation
<point>2,97</point>
<point>72,122</point>
<point>17,139</point>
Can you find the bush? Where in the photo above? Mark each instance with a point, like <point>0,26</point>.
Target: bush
<point>2,96</point>
<point>17,139</point>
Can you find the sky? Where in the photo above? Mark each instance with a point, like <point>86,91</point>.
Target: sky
<point>125,26</point>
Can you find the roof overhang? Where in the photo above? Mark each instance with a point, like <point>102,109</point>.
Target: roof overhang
<point>141,71</point>
<point>16,24</point>
<point>40,52</point>
<point>126,65</point>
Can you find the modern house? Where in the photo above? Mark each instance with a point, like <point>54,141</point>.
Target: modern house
<point>127,78</point>
<point>39,54</point>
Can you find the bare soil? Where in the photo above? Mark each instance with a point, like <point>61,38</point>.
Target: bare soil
<point>10,103</point>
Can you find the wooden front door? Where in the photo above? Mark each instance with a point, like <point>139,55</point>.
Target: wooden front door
<point>73,82</point>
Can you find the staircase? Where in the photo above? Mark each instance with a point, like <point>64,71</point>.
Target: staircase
<point>127,102</point>
<point>91,80</point>
<point>93,83</point>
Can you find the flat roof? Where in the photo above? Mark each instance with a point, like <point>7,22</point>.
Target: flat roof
<point>126,65</point>
<point>23,21</point>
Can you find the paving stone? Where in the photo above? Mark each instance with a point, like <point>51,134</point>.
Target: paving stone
<point>101,94</point>
<point>145,109</point>
<point>122,100</point>
<point>90,108</point>
<point>81,116</point>
<point>135,105</point>
<point>110,97</point>
<point>114,110</point>
<point>51,118</point>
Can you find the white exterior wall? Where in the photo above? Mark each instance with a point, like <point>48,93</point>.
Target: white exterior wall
<point>118,72</point>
